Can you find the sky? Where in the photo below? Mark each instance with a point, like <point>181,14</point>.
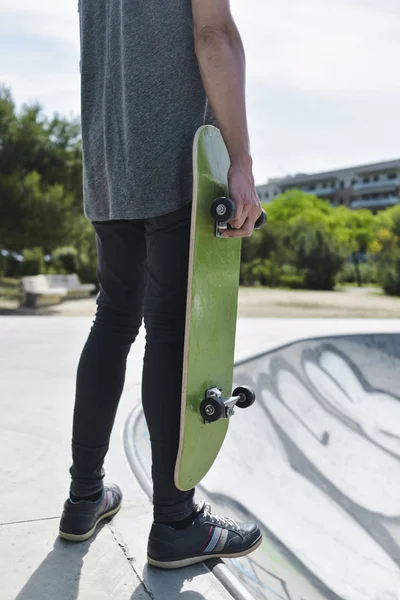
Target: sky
<point>323,84</point>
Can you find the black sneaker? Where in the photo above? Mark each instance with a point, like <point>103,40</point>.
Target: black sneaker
<point>79,519</point>
<point>209,536</point>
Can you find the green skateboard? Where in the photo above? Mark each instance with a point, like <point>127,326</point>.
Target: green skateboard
<point>214,266</point>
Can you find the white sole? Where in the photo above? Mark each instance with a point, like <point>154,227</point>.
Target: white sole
<point>177,564</point>
<point>72,537</point>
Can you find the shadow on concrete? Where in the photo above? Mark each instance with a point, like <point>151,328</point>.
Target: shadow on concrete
<point>161,584</point>
<point>58,576</point>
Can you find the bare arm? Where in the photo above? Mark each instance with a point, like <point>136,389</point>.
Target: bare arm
<point>221,58</point>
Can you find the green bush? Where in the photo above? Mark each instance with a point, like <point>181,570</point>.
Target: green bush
<point>245,274</point>
<point>3,264</point>
<point>347,273</point>
<point>53,269</point>
<point>368,272</point>
<point>260,272</point>
<point>295,282</point>
<point>65,260</point>
<point>13,266</point>
<point>87,270</point>
<point>33,263</point>
<point>288,269</point>
<point>251,247</point>
<point>389,272</point>
<point>318,255</point>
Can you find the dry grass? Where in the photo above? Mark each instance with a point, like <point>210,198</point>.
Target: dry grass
<point>344,303</point>
<point>9,287</point>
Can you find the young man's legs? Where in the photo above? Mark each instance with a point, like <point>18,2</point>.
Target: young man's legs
<point>124,249</point>
<point>168,239</point>
<point>121,248</point>
<point>182,533</point>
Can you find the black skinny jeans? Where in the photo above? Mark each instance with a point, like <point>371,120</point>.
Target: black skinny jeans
<point>142,271</point>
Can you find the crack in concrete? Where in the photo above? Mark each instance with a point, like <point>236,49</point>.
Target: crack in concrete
<point>118,538</point>
<point>28,521</point>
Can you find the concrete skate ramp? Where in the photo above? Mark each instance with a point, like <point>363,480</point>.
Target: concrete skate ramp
<point>316,461</point>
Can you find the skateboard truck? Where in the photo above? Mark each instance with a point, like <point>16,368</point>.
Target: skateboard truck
<point>215,407</point>
<point>223,210</point>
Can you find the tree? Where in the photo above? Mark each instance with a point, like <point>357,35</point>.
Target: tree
<point>385,247</point>
<point>353,229</point>
<point>389,272</point>
<point>393,217</point>
<point>34,214</point>
<point>293,205</point>
<point>319,255</point>
<point>29,141</point>
<point>40,177</point>
<point>284,213</point>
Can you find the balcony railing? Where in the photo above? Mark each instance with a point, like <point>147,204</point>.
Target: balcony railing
<point>383,184</point>
<point>320,191</point>
<point>375,202</point>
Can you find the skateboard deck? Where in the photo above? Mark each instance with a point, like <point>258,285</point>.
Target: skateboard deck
<point>214,266</point>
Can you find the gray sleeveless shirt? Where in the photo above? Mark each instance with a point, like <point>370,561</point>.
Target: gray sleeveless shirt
<point>142,101</point>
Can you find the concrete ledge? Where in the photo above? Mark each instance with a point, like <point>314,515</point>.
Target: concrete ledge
<point>131,528</point>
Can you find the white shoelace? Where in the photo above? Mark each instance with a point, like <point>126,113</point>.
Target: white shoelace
<point>224,521</point>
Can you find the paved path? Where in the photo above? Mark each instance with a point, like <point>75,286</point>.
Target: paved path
<point>38,360</point>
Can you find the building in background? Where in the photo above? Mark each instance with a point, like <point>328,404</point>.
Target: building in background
<point>374,186</point>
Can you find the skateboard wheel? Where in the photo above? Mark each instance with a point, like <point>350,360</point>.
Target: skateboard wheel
<point>211,410</point>
<point>223,210</point>
<point>262,219</point>
<point>247,395</point>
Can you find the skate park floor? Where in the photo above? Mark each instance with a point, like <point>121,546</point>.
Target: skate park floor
<point>316,461</point>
